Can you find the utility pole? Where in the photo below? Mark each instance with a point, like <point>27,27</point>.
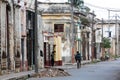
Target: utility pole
<point>93,37</point>
<point>72,23</point>
<point>102,29</point>
<point>72,29</point>
<point>108,28</point>
<point>102,40</point>
<point>36,39</point>
<point>116,35</point>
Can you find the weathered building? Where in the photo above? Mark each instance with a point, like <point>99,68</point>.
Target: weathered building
<point>17,38</point>
<point>30,26</point>
<point>57,32</point>
<point>13,35</point>
<point>109,29</point>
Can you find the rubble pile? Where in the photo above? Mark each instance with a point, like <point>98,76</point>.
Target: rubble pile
<point>52,72</point>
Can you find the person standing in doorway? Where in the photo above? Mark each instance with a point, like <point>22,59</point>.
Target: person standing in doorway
<point>52,58</point>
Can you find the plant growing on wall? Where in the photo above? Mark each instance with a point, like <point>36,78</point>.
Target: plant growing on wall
<point>106,43</point>
<point>84,21</point>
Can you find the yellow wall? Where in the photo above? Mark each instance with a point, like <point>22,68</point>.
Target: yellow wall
<point>57,42</point>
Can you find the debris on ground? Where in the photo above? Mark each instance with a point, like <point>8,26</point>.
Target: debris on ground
<point>47,72</point>
<point>51,72</point>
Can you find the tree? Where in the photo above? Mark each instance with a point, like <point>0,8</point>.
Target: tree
<point>84,21</point>
<point>77,3</point>
<point>87,9</point>
<point>106,43</point>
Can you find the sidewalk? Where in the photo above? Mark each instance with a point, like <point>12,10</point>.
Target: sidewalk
<point>72,65</point>
<point>14,76</point>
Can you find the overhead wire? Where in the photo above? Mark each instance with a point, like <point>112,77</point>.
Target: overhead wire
<point>105,8</point>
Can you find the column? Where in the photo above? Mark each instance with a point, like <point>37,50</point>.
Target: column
<point>0,32</point>
<point>17,37</point>
<point>3,36</point>
<point>11,37</point>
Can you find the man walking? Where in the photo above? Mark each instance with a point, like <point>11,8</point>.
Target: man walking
<point>78,59</point>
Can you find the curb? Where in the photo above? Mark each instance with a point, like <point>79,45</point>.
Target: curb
<point>65,66</point>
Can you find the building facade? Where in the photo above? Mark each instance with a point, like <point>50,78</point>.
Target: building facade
<point>17,38</point>
<point>109,29</point>
<point>57,31</point>
<point>11,35</point>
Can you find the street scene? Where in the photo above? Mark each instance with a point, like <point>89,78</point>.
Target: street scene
<point>59,39</point>
<point>108,70</point>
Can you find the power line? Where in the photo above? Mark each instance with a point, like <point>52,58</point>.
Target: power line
<point>114,10</point>
<point>105,8</point>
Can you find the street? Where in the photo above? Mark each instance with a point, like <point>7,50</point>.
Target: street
<point>108,70</point>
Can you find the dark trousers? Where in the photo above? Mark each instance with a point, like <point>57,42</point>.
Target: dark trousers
<point>52,62</point>
<point>78,63</point>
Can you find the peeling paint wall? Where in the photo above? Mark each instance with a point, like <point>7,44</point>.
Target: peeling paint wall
<point>17,29</point>
<point>11,37</point>
<point>24,38</point>
<point>10,23</point>
<point>40,42</point>
<point>3,36</point>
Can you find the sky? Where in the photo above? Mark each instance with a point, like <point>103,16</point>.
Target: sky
<point>100,7</point>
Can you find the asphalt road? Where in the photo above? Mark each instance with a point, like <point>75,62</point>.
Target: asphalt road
<point>108,70</point>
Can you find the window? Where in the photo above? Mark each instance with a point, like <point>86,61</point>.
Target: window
<point>58,27</point>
